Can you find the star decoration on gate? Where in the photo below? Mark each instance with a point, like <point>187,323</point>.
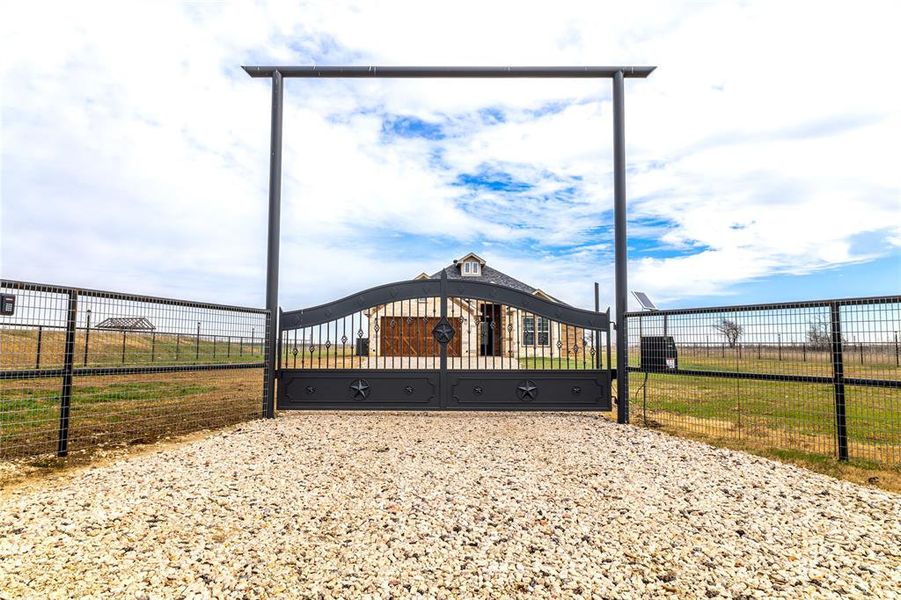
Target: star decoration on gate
<point>360,389</point>
<point>527,390</point>
<point>443,331</point>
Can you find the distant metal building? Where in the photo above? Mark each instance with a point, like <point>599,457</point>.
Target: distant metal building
<point>126,323</point>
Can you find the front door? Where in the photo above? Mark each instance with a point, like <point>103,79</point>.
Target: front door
<point>490,330</point>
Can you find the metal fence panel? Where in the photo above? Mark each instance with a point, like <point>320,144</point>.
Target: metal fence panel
<point>821,377</point>
<point>81,369</point>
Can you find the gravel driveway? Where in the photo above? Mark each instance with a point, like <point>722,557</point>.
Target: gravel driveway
<point>447,505</point>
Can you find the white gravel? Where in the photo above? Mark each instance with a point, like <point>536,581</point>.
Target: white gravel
<point>447,505</point>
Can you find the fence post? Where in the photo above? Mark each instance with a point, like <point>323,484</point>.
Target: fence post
<point>152,346</point>
<point>214,346</point>
<point>780,346</point>
<point>87,336</point>
<point>804,350</point>
<point>62,448</point>
<point>228,347</point>
<point>177,343</point>
<point>197,344</point>
<point>838,382</point>
<point>123,346</point>
<point>597,332</point>
<point>252,341</point>
<point>37,355</point>
<point>897,354</point>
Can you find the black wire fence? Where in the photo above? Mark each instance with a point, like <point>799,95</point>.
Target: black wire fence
<point>820,377</point>
<point>82,369</point>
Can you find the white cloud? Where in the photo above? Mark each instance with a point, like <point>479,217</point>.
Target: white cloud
<point>135,151</point>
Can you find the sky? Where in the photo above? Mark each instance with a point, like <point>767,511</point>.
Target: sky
<point>763,154</point>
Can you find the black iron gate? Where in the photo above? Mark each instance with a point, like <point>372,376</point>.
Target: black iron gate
<point>440,344</point>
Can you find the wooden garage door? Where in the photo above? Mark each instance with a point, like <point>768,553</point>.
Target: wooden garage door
<point>412,336</point>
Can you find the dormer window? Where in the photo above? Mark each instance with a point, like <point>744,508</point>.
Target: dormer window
<point>472,268</point>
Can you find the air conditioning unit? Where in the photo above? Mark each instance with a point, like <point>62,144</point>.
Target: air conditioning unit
<point>658,354</point>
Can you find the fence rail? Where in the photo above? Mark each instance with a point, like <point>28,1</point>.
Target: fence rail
<point>820,377</point>
<point>85,368</point>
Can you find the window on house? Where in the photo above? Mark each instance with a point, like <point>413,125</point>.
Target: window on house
<point>471,267</point>
<point>528,331</point>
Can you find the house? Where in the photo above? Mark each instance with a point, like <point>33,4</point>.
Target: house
<point>483,330</point>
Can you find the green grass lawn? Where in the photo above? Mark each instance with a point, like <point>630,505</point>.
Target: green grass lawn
<point>121,409</point>
<point>781,413</point>
<point>108,349</point>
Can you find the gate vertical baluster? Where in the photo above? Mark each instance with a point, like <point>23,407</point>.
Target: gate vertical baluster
<point>472,331</point>
<point>442,383</point>
<point>538,340</point>
<point>403,334</point>
<point>303,347</point>
<point>608,336</point>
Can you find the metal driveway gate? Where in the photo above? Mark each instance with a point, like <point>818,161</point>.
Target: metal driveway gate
<point>440,344</point>
<point>445,392</point>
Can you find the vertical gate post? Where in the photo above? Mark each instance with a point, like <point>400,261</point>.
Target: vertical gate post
<point>275,200</point>
<point>838,382</point>
<point>620,251</point>
<point>62,447</point>
<point>597,332</point>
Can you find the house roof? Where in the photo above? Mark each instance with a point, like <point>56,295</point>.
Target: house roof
<point>489,275</point>
<point>472,255</point>
<point>131,323</point>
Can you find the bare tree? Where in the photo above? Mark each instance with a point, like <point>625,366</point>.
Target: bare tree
<point>819,334</point>
<point>731,330</point>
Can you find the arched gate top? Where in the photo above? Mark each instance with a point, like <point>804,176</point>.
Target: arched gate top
<point>432,288</point>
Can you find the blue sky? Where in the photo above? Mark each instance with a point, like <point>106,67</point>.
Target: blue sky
<point>134,149</point>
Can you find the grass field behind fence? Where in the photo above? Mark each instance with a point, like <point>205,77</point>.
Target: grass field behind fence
<point>786,416</point>
<point>123,408</point>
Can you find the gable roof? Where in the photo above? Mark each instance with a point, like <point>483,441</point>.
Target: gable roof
<point>489,275</point>
<point>471,255</point>
<point>131,323</point>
